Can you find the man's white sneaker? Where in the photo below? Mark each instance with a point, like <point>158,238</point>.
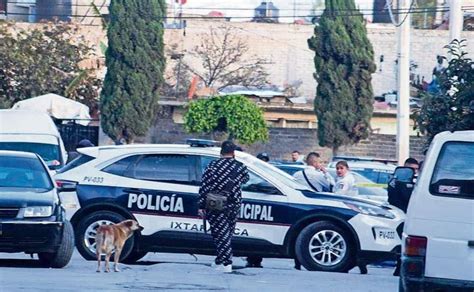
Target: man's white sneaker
<point>226,269</point>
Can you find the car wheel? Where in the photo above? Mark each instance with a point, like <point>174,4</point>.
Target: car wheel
<point>87,229</point>
<point>63,255</point>
<point>323,246</point>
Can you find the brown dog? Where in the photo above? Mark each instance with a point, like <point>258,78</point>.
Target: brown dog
<point>110,238</point>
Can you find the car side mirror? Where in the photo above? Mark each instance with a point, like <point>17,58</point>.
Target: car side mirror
<point>404,174</point>
<point>265,188</point>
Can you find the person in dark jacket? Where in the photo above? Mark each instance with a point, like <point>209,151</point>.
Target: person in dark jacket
<point>224,176</point>
<point>399,193</point>
<point>74,154</point>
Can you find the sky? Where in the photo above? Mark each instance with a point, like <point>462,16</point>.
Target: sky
<point>287,8</point>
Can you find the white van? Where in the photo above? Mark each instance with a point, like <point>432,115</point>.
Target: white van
<point>438,237</point>
<point>32,131</point>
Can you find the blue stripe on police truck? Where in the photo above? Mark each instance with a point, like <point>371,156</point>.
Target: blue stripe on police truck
<point>153,202</point>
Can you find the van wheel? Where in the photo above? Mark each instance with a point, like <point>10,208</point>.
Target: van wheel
<point>87,229</point>
<point>63,255</point>
<point>408,287</point>
<point>323,246</point>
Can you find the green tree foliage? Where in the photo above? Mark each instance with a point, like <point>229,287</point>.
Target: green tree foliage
<point>452,107</point>
<point>135,65</point>
<point>45,60</point>
<point>235,115</point>
<point>344,65</point>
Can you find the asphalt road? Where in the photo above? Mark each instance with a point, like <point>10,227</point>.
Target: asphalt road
<point>182,272</point>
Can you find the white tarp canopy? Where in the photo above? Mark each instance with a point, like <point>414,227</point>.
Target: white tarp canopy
<point>56,106</point>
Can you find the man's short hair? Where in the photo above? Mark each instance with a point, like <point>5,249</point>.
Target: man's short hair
<point>228,147</point>
<point>311,156</point>
<point>295,151</point>
<point>411,160</point>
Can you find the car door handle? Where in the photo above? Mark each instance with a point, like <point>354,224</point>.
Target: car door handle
<point>133,191</point>
<point>470,243</point>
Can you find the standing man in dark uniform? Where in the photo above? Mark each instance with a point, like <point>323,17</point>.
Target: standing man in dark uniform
<point>399,193</point>
<point>225,176</point>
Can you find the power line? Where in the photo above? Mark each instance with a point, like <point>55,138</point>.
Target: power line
<point>226,17</point>
<point>234,9</point>
<point>392,18</point>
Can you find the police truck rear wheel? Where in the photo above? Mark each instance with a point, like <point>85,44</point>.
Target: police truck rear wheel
<point>323,246</point>
<point>86,231</point>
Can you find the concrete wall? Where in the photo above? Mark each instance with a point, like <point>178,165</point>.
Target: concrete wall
<point>284,140</point>
<point>285,46</point>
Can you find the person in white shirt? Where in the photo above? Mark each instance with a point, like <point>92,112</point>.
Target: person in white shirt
<point>345,181</point>
<point>297,157</point>
<point>345,185</point>
<point>315,176</point>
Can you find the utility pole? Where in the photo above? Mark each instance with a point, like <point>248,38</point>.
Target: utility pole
<point>456,20</point>
<point>294,11</point>
<point>403,108</point>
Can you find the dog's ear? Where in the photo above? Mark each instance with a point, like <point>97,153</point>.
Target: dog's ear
<point>129,223</point>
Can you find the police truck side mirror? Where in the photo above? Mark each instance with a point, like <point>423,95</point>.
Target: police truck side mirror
<point>404,174</point>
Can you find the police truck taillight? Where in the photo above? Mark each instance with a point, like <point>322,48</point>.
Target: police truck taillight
<point>415,246</point>
<point>66,185</point>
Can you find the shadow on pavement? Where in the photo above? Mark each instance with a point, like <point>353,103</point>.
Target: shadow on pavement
<point>20,263</point>
<point>151,263</point>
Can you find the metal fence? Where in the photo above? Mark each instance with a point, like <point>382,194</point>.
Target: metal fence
<point>72,132</point>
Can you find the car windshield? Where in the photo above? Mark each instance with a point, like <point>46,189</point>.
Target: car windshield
<point>274,172</point>
<point>24,172</point>
<point>48,152</point>
<point>365,186</point>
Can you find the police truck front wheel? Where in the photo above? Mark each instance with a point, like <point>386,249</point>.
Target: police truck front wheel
<point>323,246</point>
<point>87,229</point>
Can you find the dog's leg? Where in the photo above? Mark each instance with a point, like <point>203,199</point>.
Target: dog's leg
<point>98,260</point>
<point>107,260</point>
<point>118,251</point>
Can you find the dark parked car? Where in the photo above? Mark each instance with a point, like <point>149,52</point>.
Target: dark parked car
<point>32,219</point>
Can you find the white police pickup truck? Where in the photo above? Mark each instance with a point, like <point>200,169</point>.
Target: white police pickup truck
<point>158,185</point>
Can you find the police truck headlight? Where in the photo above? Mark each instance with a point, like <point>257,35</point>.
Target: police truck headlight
<point>370,210</point>
<point>40,211</point>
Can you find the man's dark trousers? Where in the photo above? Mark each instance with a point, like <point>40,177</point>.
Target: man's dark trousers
<point>222,229</point>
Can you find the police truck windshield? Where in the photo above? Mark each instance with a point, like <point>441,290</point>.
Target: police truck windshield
<point>274,172</point>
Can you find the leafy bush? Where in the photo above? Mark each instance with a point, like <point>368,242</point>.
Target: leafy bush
<point>235,115</point>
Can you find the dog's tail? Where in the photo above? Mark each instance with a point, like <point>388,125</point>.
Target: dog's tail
<point>100,239</point>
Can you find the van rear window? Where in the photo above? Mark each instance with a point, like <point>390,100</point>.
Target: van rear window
<point>453,175</point>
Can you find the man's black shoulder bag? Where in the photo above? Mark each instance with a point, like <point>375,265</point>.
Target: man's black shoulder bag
<point>217,201</point>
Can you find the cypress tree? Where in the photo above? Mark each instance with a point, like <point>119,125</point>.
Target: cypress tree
<point>135,64</point>
<point>344,64</point>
